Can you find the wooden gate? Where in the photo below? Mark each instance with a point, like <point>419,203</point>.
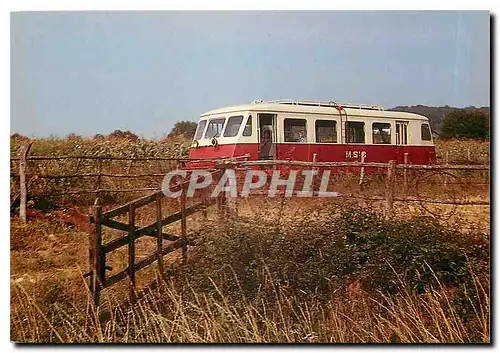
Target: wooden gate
<point>165,243</point>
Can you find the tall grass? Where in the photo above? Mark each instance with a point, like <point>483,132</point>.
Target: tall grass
<point>169,314</point>
<point>173,147</point>
<point>463,151</point>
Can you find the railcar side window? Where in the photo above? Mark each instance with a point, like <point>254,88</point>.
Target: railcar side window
<point>426,133</point>
<point>355,132</point>
<point>248,127</point>
<point>233,126</point>
<point>214,128</point>
<point>326,131</point>
<point>295,130</point>
<point>199,130</point>
<point>381,133</point>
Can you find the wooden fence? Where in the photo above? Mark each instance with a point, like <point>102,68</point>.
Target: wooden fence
<point>167,243</point>
<point>395,175</point>
<point>27,178</point>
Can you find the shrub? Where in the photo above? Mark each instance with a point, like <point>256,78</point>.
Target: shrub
<point>126,135</point>
<point>466,124</point>
<point>184,128</point>
<point>319,257</point>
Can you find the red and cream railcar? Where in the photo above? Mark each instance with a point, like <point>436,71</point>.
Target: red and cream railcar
<point>303,130</point>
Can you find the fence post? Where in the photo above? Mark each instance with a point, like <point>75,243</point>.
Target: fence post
<point>205,197</point>
<point>159,237</point>
<point>78,165</point>
<point>99,179</point>
<point>389,195</point>
<point>405,175</point>
<point>131,251</point>
<point>362,172</point>
<point>96,256</point>
<point>232,202</point>
<point>130,163</point>
<point>22,181</point>
<point>183,222</point>
<point>220,196</point>
<point>446,179</point>
<point>313,181</point>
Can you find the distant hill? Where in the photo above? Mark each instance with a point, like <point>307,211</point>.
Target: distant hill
<point>435,114</point>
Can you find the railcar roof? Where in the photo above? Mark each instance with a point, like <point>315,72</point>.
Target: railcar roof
<point>309,109</point>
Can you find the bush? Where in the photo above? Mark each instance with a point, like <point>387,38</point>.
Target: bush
<point>126,135</point>
<point>316,258</point>
<point>466,124</point>
<point>185,129</point>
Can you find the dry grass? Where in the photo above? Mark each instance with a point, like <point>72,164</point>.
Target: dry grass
<point>463,151</point>
<point>168,315</point>
<point>173,147</point>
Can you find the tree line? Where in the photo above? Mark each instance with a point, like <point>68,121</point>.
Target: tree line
<point>456,123</point>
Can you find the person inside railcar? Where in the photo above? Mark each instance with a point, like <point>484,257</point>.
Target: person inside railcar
<point>265,145</point>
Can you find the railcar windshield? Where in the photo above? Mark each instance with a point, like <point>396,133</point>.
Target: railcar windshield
<point>199,129</point>
<point>233,126</point>
<point>214,128</point>
<point>247,131</point>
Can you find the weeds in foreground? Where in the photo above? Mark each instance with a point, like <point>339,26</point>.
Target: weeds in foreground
<point>169,314</point>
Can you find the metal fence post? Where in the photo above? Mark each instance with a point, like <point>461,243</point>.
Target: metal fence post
<point>389,196</point>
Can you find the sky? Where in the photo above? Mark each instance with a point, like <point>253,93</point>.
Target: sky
<point>94,72</point>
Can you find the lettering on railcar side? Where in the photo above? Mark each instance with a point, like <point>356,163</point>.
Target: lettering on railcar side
<point>354,154</point>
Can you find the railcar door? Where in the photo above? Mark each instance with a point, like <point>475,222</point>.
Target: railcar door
<point>268,136</point>
<point>401,140</point>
